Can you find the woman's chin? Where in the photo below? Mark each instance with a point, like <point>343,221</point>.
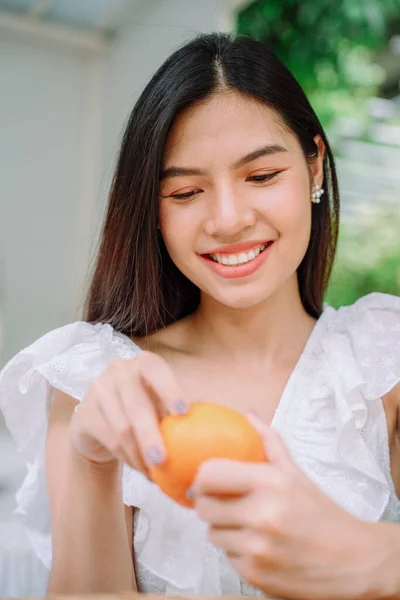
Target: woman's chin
<point>241,299</point>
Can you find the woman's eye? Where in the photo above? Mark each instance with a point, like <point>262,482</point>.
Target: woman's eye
<point>263,178</point>
<point>186,195</point>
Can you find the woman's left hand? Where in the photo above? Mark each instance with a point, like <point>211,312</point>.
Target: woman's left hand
<point>281,533</point>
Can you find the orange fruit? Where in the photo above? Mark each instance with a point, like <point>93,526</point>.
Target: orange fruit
<point>207,431</point>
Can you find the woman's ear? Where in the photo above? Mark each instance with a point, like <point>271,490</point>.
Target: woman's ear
<point>317,165</point>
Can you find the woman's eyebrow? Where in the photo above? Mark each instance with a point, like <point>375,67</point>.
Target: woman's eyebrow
<point>267,150</point>
<point>179,172</point>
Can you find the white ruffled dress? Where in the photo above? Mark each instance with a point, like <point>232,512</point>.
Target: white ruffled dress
<point>330,416</point>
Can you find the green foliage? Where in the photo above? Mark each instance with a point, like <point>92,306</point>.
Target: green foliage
<point>328,45</point>
<point>368,258</point>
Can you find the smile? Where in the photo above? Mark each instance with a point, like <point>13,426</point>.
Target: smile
<point>241,264</point>
<point>242,258</point>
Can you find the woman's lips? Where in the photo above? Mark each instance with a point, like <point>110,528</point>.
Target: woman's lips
<point>239,247</point>
<point>240,270</point>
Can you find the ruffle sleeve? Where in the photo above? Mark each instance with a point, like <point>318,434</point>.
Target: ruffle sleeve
<point>68,359</point>
<point>340,437</point>
<point>170,542</point>
<point>371,326</point>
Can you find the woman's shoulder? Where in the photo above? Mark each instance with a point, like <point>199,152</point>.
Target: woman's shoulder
<point>68,358</point>
<point>362,343</point>
<point>373,319</point>
<point>370,309</point>
<point>79,337</point>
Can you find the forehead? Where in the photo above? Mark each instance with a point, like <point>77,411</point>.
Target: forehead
<point>224,121</point>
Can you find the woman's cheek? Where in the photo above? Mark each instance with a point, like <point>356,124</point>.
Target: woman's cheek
<point>291,218</point>
<point>179,237</point>
<point>291,208</point>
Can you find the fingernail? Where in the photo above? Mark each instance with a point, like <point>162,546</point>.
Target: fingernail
<point>190,494</point>
<point>155,456</point>
<point>181,407</point>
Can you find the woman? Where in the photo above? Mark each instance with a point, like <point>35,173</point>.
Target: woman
<point>216,252</point>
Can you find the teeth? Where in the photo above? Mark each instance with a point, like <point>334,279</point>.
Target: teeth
<point>222,259</point>
<point>238,259</point>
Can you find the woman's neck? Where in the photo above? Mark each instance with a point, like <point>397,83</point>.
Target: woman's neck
<point>276,330</point>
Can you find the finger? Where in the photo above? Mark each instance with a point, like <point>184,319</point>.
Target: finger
<point>229,540</point>
<point>113,411</point>
<point>228,477</point>
<point>102,432</point>
<point>240,542</point>
<point>226,512</point>
<point>275,449</point>
<point>159,378</point>
<point>259,511</point>
<point>144,421</point>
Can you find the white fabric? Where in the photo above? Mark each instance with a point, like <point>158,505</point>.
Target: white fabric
<point>330,416</point>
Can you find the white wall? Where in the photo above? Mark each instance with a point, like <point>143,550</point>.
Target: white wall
<point>61,121</point>
<point>41,116</point>
<point>153,30</point>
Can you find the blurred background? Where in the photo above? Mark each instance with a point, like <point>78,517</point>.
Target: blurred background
<point>70,72</point>
<point>346,56</point>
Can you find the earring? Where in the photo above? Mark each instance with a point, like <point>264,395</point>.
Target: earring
<point>317,192</point>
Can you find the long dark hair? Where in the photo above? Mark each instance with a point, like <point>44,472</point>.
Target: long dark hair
<point>136,287</point>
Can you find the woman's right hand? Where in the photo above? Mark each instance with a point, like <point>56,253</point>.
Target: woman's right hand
<point>119,418</point>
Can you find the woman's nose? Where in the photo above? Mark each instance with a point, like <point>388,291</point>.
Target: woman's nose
<point>229,214</point>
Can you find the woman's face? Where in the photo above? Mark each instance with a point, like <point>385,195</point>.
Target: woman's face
<point>235,207</point>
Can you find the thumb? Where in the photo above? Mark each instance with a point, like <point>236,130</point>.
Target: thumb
<point>275,449</point>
